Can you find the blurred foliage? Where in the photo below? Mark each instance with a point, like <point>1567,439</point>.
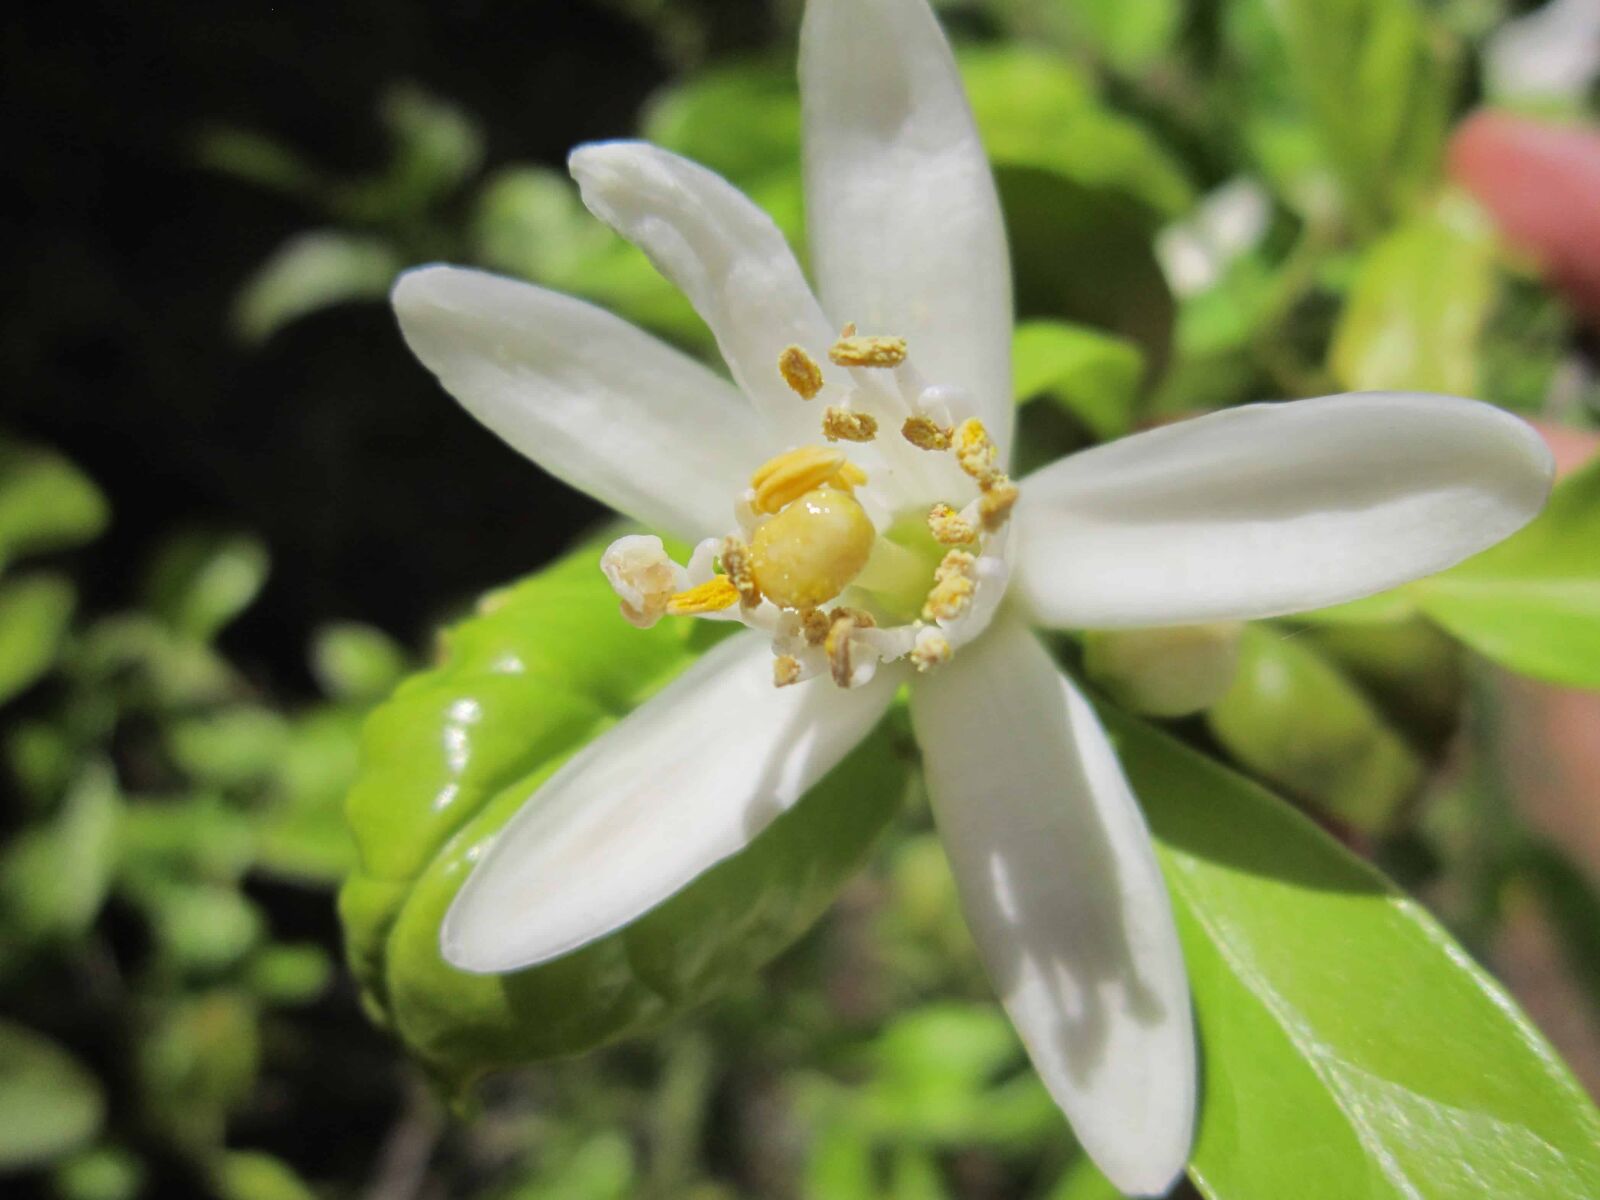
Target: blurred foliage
<point>1208,205</point>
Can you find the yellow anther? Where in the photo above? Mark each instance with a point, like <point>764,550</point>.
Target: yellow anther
<point>736,562</point>
<point>792,474</point>
<point>801,372</point>
<point>948,528</point>
<point>978,455</point>
<point>926,434</point>
<point>715,595</point>
<point>932,649</point>
<point>842,425</point>
<point>785,670</point>
<point>852,351</point>
<point>996,503</point>
<point>954,584</point>
<point>812,550</point>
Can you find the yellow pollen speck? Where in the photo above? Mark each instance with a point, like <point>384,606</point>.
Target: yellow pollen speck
<point>954,584</point>
<point>712,596</point>
<point>801,372</point>
<point>736,562</point>
<point>977,453</point>
<point>996,503</point>
<point>815,624</point>
<point>932,650</point>
<point>812,550</point>
<point>792,474</point>
<point>842,425</point>
<point>926,434</point>
<point>785,670</point>
<point>851,351</point>
<point>948,528</point>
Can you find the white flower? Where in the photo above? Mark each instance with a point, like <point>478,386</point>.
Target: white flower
<point>826,553</point>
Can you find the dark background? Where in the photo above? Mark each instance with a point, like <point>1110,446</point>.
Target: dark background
<point>378,498</point>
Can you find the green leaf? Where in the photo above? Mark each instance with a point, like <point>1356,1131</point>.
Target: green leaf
<point>1377,81</point>
<point>1035,110</point>
<point>54,876</point>
<point>1350,1047</point>
<point>1294,719</point>
<point>247,1175</point>
<point>742,121</point>
<point>1129,35</point>
<point>196,1062</point>
<point>308,273</point>
<point>1114,284</point>
<point>356,662</point>
<point>1083,1181</point>
<point>46,503</point>
<point>199,582</point>
<point>1093,375</point>
<point>1418,308</point>
<point>35,616</point>
<point>302,832</point>
<point>544,667</point>
<point>99,1173</point>
<point>49,1104</point>
<point>1532,603</point>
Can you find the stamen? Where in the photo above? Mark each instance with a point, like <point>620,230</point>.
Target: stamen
<point>785,670</point>
<point>715,595</point>
<point>842,425</point>
<point>932,650</point>
<point>926,434</point>
<point>736,562</point>
<point>948,527</point>
<point>996,503</point>
<point>953,586</point>
<point>837,646</point>
<point>878,352</point>
<point>801,372</point>
<point>978,455</point>
<point>791,475</point>
<point>643,576</point>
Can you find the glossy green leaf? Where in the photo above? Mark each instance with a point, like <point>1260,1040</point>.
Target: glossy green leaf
<point>1094,376</point>
<point>1294,719</point>
<point>1350,1047</point>
<point>35,615</point>
<point>308,273</point>
<point>1532,603</point>
<point>199,582</point>
<point>49,1104</point>
<point>46,503</point>
<point>546,666</point>
<point>1417,310</point>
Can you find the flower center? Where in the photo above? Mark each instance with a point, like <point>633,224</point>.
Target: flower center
<point>917,590</point>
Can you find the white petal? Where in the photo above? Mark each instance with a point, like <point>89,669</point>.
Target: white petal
<point>723,253</point>
<point>594,401</point>
<point>903,218</point>
<point>688,779</point>
<point>1062,892</point>
<point>1273,509</point>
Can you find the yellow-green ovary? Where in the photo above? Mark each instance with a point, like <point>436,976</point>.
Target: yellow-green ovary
<point>812,550</point>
